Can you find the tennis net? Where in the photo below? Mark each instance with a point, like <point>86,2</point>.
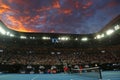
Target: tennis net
<point>93,72</point>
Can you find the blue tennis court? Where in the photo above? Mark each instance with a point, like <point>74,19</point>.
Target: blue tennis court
<point>108,75</point>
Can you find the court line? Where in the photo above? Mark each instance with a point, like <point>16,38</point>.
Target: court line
<point>35,77</point>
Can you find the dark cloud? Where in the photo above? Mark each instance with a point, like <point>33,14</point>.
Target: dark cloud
<point>58,16</point>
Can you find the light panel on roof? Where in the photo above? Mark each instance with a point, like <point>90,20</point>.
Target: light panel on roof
<point>12,35</point>
<point>109,32</point>
<point>46,38</point>
<point>117,27</point>
<point>2,31</point>
<point>84,39</point>
<point>23,37</point>
<point>63,38</point>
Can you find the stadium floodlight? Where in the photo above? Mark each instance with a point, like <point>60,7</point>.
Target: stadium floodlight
<point>84,39</point>
<point>23,37</point>
<point>117,27</point>
<point>109,32</point>
<point>63,38</point>
<point>102,35</point>
<point>99,36</point>
<point>45,38</point>
<point>2,31</point>
<point>76,39</point>
<point>11,35</point>
<point>8,33</point>
<point>32,37</point>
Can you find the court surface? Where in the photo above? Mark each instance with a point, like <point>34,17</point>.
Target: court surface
<point>108,75</point>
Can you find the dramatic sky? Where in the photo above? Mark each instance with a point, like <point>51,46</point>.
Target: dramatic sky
<point>58,16</point>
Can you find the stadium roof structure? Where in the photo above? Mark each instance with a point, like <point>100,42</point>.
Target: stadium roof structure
<point>111,24</point>
<point>109,35</point>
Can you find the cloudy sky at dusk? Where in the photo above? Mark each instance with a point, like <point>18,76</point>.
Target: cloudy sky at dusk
<point>58,16</point>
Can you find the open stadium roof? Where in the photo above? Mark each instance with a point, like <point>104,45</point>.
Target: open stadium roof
<point>58,16</point>
<point>108,30</point>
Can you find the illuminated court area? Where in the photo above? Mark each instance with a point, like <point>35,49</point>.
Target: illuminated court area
<point>107,75</point>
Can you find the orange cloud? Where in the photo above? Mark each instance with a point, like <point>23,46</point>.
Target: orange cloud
<point>3,8</point>
<point>26,12</point>
<point>43,9</point>
<point>36,17</point>
<point>17,25</point>
<point>20,2</point>
<point>77,4</point>
<point>56,4</point>
<point>6,8</point>
<point>25,19</point>
<point>36,20</point>
<point>87,5</point>
<point>10,1</point>
<point>65,11</point>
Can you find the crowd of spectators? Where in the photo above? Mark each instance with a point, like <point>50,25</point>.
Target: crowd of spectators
<point>53,58</point>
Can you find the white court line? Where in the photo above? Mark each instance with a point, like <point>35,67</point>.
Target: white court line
<point>35,77</point>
